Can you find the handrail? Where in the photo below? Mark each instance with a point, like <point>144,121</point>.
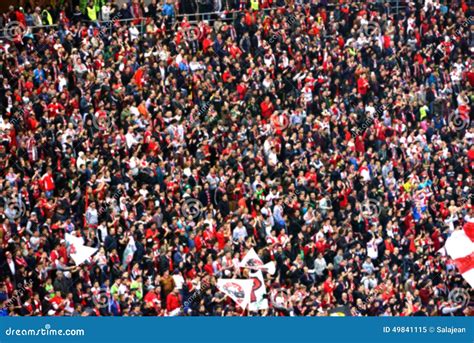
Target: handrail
<point>396,4</point>
<point>224,12</point>
<point>141,19</point>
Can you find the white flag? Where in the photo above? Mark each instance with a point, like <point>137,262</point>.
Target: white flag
<point>269,267</point>
<point>237,289</point>
<point>258,300</point>
<point>77,250</point>
<point>70,239</point>
<point>252,261</point>
<point>461,249</point>
<point>129,251</point>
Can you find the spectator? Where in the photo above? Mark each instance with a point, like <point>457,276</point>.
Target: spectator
<point>173,146</point>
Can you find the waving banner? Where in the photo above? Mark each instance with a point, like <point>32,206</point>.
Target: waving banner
<point>71,239</point>
<point>258,299</point>
<point>237,289</point>
<point>77,250</point>
<point>129,251</point>
<point>460,247</point>
<point>252,261</point>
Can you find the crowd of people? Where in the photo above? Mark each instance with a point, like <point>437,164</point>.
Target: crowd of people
<point>333,139</point>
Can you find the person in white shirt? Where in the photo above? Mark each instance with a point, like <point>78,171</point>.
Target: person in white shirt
<point>134,33</point>
<point>130,138</point>
<point>368,266</point>
<point>272,157</point>
<point>271,196</point>
<point>106,10</point>
<point>240,232</point>
<point>320,265</point>
<point>178,279</point>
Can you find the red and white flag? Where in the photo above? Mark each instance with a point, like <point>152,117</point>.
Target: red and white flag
<point>237,289</point>
<point>77,250</point>
<point>460,247</point>
<point>258,299</point>
<point>252,261</point>
<point>129,251</point>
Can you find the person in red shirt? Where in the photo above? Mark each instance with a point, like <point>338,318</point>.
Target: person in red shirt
<point>363,86</point>
<point>198,242</point>
<point>267,108</point>
<point>173,301</point>
<point>227,76</point>
<point>221,239</point>
<point>54,108</point>
<point>321,245</point>
<point>56,302</point>
<point>153,298</point>
<point>208,267</point>
<point>47,182</point>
